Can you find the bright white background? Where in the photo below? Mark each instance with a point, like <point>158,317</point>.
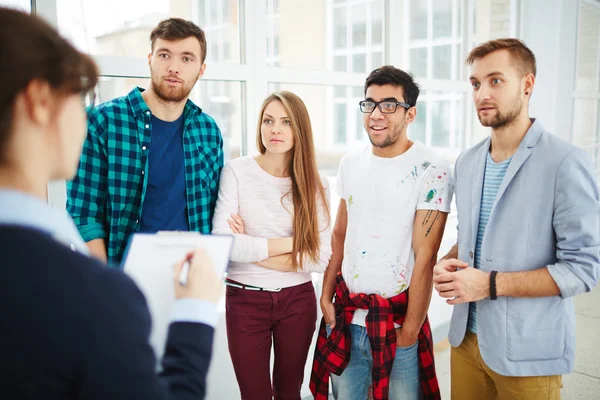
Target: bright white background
<point>323,51</point>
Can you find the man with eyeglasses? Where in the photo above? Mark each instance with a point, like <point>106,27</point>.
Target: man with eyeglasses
<point>395,197</point>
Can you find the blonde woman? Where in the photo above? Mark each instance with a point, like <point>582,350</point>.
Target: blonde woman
<point>276,205</point>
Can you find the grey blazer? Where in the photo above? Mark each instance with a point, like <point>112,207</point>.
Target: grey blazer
<point>546,213</point>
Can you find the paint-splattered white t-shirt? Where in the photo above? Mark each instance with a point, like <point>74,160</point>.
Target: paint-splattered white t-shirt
<point>382,196</point>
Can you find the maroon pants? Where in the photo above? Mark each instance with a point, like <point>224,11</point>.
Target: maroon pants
<point>255,321</point>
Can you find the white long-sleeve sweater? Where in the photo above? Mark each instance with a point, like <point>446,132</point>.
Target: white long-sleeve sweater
<point>256,195</point>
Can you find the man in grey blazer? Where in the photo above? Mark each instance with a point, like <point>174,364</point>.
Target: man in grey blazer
<point>529,240</point>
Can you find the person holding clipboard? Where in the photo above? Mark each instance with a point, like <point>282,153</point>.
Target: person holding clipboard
<point>276,205</point>
<point>71,328</point>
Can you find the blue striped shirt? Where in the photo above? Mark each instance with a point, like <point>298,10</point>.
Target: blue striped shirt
<point>492,179</point>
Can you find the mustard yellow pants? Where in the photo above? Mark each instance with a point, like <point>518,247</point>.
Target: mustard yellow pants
<point>472,379</point>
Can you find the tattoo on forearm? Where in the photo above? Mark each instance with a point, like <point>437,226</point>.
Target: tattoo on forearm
<point>437,215</point>
<point>426,219</point>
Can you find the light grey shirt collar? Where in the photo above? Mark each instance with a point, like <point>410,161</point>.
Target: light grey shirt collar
<point>18,208</point>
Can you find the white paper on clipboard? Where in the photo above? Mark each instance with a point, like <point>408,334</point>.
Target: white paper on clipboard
<point>149,262</point>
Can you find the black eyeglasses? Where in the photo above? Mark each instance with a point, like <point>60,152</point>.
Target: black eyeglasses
<point>386,107</point>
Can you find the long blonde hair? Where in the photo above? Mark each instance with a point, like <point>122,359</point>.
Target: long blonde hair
<point>307,186</point>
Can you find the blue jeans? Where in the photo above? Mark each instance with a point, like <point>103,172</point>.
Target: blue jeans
<point>354,382</point>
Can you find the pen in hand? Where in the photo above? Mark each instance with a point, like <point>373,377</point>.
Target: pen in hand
<point>185,269</point>
<point>194,277</point>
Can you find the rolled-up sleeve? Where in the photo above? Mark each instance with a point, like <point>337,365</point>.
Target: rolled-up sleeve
<point>577,226</point>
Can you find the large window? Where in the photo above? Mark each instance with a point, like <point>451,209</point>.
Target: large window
<point>435,38</point>
<point>219,19</point>
<point>322,50</point>
<point>356,30</point>
<point>23,5</point>
<point>357,35</point>
<point>122,28</point>
<point>273,33</point>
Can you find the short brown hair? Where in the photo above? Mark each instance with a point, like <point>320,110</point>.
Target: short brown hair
<point>178,29</point>
<point>32,49</point>
<point>523,56</point>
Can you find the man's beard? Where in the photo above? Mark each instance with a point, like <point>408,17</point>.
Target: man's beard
<point>389,139</point>
<point>501,120</point>
<point>172,95</point>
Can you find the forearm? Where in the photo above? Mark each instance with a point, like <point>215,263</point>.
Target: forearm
<point>453,253</point>
<point>536,283</point>
<point>98,249</point>
<point>335,266</point>
<point>419,292</point>
<point>280,246</point>
<point>282,263</point>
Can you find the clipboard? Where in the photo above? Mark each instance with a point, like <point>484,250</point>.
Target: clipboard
<point>149,262</point>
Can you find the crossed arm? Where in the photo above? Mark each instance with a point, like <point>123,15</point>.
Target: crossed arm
<point>279,250</point>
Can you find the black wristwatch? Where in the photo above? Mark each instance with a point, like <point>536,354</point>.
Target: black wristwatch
<point>493,295</point>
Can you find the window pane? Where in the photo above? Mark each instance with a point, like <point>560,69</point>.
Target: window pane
<point>303,28</point>
<point>588,48</point>
<point>360,130</point>
<point>442,19</point>
<point>585,125</point>
<point>442,62</point>
<point>376,60</point>
<point>339,27</point>
<point>340,123</point>
<point>222,100</point>
<point>339,63</point>
<point>359,25</point>
<point>22,5</point>
<point>273,41</point>
<point>339,91</point>
<point>110,88</point>
<point>418,20</point>
<point>358,93</point>
<point>459,62</point>
<point>417,129</point>
<point>440,123</point>
<point>377,21</point>
<point>94,26</point>
<point>418,62</point>
<point>359,63</point>
<point>492,21</point>
<point>273,6</point>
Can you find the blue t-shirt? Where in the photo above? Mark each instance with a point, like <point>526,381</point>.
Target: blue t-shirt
<point>165,206</point>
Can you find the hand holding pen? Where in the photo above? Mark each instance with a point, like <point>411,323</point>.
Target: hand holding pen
<point>200,281</point>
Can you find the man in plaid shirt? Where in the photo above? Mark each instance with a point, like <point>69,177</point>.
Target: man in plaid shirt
<point>395,197</point>
<point>152,159</point>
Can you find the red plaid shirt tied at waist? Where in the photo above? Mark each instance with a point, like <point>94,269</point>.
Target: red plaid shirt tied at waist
<point>332,353</point>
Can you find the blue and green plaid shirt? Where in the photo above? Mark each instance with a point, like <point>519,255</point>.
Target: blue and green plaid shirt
<point>107,195</point>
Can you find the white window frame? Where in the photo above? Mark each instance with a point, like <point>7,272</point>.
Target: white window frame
<point>349,51</point>
<point>593,94</point>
